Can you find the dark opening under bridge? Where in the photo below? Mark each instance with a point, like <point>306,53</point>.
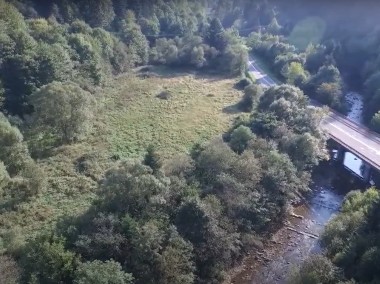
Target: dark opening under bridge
<point>351,136</point>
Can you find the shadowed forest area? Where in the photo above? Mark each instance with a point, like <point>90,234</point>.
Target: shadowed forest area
<point>135,146</point>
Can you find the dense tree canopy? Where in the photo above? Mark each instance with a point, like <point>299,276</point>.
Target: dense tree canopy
<point>193,222</point>
<point>150,220</point>
<point>351,240</point>
<point>358,226</point>
<point>332,45</point>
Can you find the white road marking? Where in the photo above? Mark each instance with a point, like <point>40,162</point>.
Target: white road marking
<point>262,76</point>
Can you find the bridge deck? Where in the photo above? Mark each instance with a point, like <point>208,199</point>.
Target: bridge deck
<point>356,138</point>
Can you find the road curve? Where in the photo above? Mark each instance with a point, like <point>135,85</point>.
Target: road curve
<point>355,137</point>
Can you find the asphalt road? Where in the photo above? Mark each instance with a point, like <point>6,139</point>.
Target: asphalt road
<point>259,75</point>
<point>355,137</point>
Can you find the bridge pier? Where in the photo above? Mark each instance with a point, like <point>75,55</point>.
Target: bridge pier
<point>366,172</point>
<point>340,154</point>
<point>366,169</point>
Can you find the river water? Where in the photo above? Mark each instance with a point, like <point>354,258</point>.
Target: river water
<point>323,203</point>
<point>355,103</point>
<point>299,237</point>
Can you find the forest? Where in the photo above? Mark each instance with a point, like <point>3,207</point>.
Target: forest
<point>87,198</point>
<point>323,47</point>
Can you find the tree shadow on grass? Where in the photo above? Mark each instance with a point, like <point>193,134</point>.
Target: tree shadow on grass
<point>43,146</point>
<point>233,109</point>
<point>163,71</point>
<point>168,72</point>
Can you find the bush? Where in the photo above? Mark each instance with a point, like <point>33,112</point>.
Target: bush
<point>252,94</point>
<point>152,159</point>
<point>9,270</point>
<point>98,272</point>
<point>164,95</point>
<point>243,83</point>
<point>46,260</point>
<point>375,122</point>
<point>240,138</point>
<point>315,270</point>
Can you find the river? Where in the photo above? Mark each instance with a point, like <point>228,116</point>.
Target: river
<point>299,237</point>
<point>355,104</point>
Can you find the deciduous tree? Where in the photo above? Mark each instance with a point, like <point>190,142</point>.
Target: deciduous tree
<point>46,260</point>
<point>98,272</point>
<point>294,73</point>
<point>63,109</point>
<point>240,138</point>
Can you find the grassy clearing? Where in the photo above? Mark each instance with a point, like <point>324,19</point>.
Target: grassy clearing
<point>197,109</point>
<point>129,118</point>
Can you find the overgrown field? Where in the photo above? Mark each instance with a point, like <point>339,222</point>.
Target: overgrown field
<point>129,117</point>
<point>171,113</point>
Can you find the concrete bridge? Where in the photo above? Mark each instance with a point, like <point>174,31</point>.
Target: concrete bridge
<point>352,137</point>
